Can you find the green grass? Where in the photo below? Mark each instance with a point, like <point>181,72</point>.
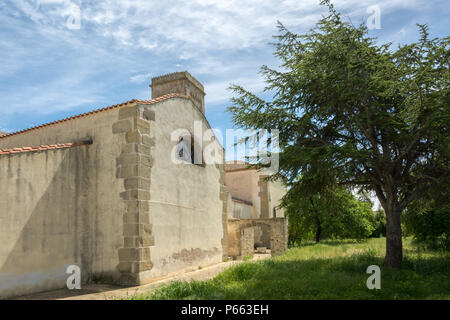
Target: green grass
<point>329,270</point>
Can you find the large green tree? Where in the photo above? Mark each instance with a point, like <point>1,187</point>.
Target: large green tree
<point>374,117</point>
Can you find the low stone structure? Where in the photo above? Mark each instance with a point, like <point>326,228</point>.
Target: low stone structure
<point>254,208</point>
<point>241,236</point>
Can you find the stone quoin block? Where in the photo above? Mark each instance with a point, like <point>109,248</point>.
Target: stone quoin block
<point>129,112</point>
<point>149,115</point>
<point>141,266</point>
<point>134,254</point>
<point>136,217</point>
<point>148,141</point>
<point>141,125</point>
<point>137,183</point>
<point>141,241</point>
<point>137,206</point>
<point>137,148</point>
<point>137,229</point>
<point>135,194</point>
<point>133,171</point>
<point>134,137</point>
<point>142,149</point>
<point>134,158</point>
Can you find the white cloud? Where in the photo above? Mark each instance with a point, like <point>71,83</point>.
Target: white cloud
<point>126,42</point>
<point>218,91</point>
<point>140,78</point>
<point>192,28</point>
<point>58,95</point>
<point>144,43</point>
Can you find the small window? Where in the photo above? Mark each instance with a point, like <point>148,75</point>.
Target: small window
<point>186,152</point>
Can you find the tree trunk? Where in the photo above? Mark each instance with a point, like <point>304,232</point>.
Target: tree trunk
<point>394,247</point>
<point>318,223</point>
<point>318,231</point>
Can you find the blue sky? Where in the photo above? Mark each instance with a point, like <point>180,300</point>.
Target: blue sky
<point>51,70</point>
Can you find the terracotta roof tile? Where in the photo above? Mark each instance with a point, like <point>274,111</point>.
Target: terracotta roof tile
<point>6,151</point>
<point>152,101</point>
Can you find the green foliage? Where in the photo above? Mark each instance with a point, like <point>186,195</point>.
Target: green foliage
<point>247,257</point>
<point>333,269</point>
<point>357,112</point>
<point>428,218</point>
<point>332,213</point>
<point>379,224</point>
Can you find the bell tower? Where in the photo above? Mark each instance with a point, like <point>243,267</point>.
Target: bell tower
<point>180,82</point>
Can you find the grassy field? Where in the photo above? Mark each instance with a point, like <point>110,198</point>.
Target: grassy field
<point>330,270</point>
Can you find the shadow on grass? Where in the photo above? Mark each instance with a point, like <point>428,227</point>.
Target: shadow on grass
<point>327,278</point>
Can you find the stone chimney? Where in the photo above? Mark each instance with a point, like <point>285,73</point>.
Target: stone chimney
<point>182,83</point>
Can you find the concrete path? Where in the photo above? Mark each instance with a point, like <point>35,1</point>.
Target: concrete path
<point>110,292</point>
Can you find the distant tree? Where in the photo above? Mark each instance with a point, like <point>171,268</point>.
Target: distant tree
<point>379,224</point>
<point>331,213</point>
<point>373,117</point>
<point>427,218</point>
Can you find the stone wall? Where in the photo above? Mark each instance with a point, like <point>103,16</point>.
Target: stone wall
<point>240,240</point>
<point>243,185</point>
<point>264,196</point>
<point>249,185</point>
<point>224,197</point>
<point>262,235</point>
<point>238,247</point>
<point>277,190</point>
<point>60,207</point>
<point>241,210</point>
<point>278,236</point>
<point>247,242</point>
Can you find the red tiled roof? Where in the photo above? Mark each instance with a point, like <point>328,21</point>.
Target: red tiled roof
<point>44,147</point>
<point>152,101</point>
